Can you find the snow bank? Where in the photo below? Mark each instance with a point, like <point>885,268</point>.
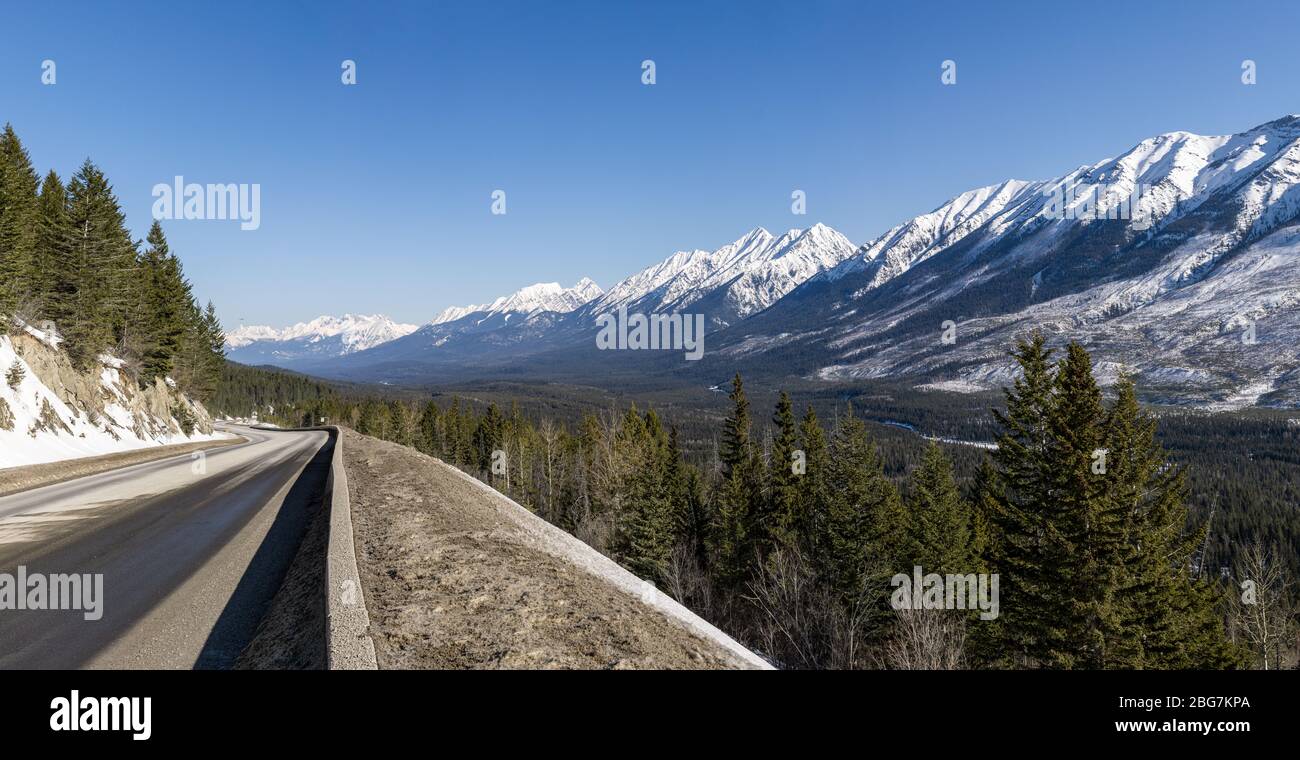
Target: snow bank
<point>37,426</point>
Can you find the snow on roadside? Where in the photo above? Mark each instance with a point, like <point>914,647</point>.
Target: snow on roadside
<point>45,429</point>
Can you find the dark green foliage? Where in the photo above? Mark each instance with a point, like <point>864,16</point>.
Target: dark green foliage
<point>1099,567</point>
<point>18,205</point>
<point>1089,522</point>
<point>66,255</point>
<point>942,536</point>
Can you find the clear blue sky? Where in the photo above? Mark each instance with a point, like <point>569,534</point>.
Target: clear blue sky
<point>375,198</point>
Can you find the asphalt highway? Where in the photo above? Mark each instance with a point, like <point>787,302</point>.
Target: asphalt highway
<point>190,551</point>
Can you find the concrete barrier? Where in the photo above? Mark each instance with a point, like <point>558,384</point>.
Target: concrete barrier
<point>349,646</point>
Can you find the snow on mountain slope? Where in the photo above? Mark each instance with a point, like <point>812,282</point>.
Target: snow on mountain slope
<point>56,413</point>
<point>743,277</point>
<point>543,296</point>
<point>355,332</point>
<point>1156,258</point>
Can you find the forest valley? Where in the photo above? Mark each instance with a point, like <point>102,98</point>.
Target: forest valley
<point>783,532</point>
<point>786,535</point>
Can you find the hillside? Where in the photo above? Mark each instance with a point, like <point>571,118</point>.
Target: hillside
<point>103,345</point>
<point>54,412</point>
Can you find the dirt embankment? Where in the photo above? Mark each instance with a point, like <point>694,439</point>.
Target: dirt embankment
<point>456,578</point>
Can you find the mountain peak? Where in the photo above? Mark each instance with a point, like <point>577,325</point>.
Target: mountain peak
<point>540,296</point>
<point>355,332</point>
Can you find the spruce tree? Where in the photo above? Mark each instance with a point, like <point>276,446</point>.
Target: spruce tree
<point>104,263</point>
<point>866,526</point>
<point>648,537</point>
<point>1084,526</point>
<point>941,540</point>
<point>19,278</point>
<point>736,542</point>
<point>53,252</point>
<point>165,303</point>
<point>784,520</point>
<point>1029,559</point>
<point>812,488</point>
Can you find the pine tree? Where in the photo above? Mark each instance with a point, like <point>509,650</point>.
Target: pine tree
<point>866,526</point>
<point>53,253</point>
<point>648,535</point>
<point>941,539</point>
<point>18,203</point>
<point>166,300</point>
<point>104,263</point>
<point>1083,522</point>
<point>1029,558</point>
<point>736,542</point>
<point>785,522</point>
<point>812,492</point>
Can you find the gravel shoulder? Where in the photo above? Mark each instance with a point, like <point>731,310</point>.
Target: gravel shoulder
<point>457,577</point>
<point>16,479</point>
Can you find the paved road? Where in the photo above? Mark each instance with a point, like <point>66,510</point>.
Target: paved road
<point>190,555</point>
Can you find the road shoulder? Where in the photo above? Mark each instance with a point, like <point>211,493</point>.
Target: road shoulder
<point>17,479</point>
<point>455,579</point>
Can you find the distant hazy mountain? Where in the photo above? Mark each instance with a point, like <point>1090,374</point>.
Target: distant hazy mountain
<point>305,342</point>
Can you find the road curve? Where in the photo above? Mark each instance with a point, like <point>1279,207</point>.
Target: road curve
<point>191,552</point>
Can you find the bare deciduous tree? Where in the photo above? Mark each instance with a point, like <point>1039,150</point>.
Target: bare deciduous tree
<point>1263,613</point>
<point>927,640</point>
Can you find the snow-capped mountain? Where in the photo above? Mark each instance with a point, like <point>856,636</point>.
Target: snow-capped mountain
<point>735,281</point>
<point>543,296</point>
<point>1160,260</point>
<point>726,285</point>
<point>1175,261</point>
<point>320,338</point>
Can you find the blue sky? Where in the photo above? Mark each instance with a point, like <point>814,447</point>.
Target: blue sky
<point>376,197</point>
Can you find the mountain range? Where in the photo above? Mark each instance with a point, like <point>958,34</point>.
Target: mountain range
<point>323,337</point>
<point>1174,261</point>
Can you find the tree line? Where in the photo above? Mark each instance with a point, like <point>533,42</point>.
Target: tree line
<point>67,256</point>
<point>790,535</point>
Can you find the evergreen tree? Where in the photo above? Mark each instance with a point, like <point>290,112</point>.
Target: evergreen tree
<point>103,266</point>
<point>784,519</point>
<point>18,203</point>
<point>14,376</point>
<point>1083,523</point>
<point>1030,557</point>
<point>649,536</point>
<point>57,283</point>
<point>166,301</point>
<point>813,496</point>
<point>487,438</point>
<point>866,526</point>
<point>940,519</point>
<point>740,493</point>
